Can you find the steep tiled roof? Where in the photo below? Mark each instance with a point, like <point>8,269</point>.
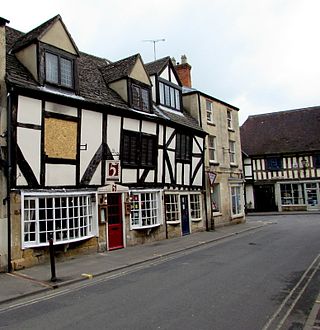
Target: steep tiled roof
<point>157,66</point>
<point>282,132</point>
<point>120,69</point>
<point>94,75</point>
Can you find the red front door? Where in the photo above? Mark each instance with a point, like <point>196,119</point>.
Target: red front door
<point>115,232</point>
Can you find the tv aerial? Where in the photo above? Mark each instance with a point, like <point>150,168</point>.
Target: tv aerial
<point>154,41</point>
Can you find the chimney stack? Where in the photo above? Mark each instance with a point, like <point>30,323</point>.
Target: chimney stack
<point>184,71</point>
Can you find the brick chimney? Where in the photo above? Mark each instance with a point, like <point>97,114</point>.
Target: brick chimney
<point>184,71</point>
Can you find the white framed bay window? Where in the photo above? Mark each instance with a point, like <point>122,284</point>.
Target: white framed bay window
<point>65,216</point>
<point>195,207</point>
<point>145,209</point>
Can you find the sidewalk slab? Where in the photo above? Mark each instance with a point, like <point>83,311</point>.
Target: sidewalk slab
<point>36,279</point>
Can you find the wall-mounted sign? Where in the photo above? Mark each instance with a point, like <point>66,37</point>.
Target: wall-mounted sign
<point>212,177</point>
<point>113,170</point>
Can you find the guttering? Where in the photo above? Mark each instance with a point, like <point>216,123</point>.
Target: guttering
<point>9,171</point>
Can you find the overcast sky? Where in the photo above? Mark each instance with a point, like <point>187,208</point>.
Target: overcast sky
<point>258,55</point>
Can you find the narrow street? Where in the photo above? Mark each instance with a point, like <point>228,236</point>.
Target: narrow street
<point>254,280</point>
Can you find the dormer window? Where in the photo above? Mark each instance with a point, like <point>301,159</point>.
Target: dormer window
<point>59,70</point>
<point>140,97</point>
<point>169,96</point>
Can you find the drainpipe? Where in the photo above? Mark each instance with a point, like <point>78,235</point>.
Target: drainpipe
<point>9,170</point>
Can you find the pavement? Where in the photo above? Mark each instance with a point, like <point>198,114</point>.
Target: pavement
<point>37,279</point>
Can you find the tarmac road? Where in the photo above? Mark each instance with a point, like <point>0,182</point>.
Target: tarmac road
<point>255,280</point>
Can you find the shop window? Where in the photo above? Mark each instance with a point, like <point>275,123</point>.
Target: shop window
<point>236,201</point>
<point>66,218</point>
<point>145,209</point>
<point>195,207</point>
<point>292,194</point>
<point>215,197</point>
<point>172,207</point>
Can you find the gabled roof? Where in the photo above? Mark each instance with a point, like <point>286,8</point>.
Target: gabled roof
<point>156,67</point>
<point>119,69</point>
<point>37,33</point>
<point>282,132</point>
<point>92,82</point>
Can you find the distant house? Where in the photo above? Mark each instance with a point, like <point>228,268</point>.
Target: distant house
<point>223,161</point>
<point>98,155</point>
<point>282,160</point>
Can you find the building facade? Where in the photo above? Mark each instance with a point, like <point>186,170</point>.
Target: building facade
<point>96,155</point>
<point>282,160</point>
<point>223,160</point>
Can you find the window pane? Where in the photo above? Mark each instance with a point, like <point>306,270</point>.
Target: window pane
<point>167,95</point>
<point>145,99</point>
<point>161,91</point>
<point>52,68</point>
<point>135,96</point>
<point>66,72</point>
<point>177,92</point>
<point>172,97</point>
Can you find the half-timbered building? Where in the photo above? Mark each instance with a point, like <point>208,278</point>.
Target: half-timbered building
<point>98,155</point>
<point>281,155</point>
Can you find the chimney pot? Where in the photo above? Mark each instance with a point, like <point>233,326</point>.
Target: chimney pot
<point>184,59</point>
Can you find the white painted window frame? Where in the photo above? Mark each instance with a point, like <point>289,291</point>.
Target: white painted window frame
<point>91,217</point>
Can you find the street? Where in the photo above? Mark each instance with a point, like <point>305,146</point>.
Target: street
<point>254,280</point>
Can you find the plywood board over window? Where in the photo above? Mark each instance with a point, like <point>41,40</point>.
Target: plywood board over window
<point>60,138</point>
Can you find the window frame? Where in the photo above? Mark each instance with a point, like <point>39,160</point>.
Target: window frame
<point>138,155</point>
<point>290,193</point>
<point>209,112</point>
<point>153,213</point>
<point>270,163</point>
<point>236,201</point>
<point>212,148</point>
<point>49,215</point>
<point>172,208</point>
<point>316,161</point>
<point>195,205</point>
<point>229,119</point>
<point>141,87</point>
<point>60,55</point>
<point>183,152</point>
<point>232,152</point>
<point>170,95</point>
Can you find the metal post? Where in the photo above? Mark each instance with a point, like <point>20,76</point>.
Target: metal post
<point>52,260</point>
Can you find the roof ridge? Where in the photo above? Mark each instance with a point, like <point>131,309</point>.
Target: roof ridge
<point>285,111</point>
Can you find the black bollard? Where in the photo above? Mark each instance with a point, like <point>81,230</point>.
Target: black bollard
<point>52,260</point>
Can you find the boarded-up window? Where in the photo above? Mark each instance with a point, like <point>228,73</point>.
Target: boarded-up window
<point>60,138</point>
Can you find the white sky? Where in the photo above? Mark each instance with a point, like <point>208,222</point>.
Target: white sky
<point>258,55</point>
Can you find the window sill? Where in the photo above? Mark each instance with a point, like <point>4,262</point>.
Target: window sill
<point>213,162</point>
<point>211,123</point>
<point>196,220</point>
<point>231,129</point>
<point>34,245</point>
<point>240,215</point>
<point>234,165</point>
<point>216,214</point>
<point>176,222</point>
<point>146,227</point>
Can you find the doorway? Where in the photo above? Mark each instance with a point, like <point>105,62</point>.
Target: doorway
<point>185,215</point>
<point>115,226</point>
<point>264,198</point>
